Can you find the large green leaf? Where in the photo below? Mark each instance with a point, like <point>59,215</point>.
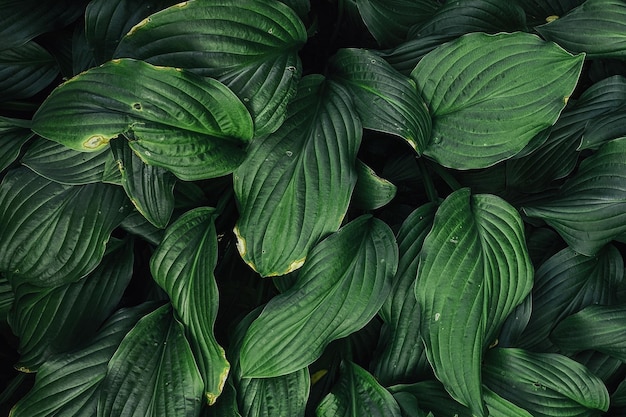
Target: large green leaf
<point>597,27</point>
<point>67,384</point>
<point>25,71</point>
<point>589,211</point>
<point>595,327</point>
<point>153,372</point>
<point>183,266</point>
<point>299,179</point>
<point>497,93</point>
<point>545,384</point>
<point>474,270</point>
<point>12,137</point>
<point>340,288</point>
<point>385,100</point>
<point>53,234</point>
<point>193,126</point>
<point>356,394</point>
<point>250,46</point>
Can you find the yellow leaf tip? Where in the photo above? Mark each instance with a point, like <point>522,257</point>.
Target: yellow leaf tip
<point>551,18</point>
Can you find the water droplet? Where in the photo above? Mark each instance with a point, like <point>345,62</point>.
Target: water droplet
<point>437,139</point>
<point>147,153</point>
<point>289,153</point>
<point>270,30</point>
<point>246,99</point>
<point>454,239</point>
<point>437,316</point>
<point>373,61</point>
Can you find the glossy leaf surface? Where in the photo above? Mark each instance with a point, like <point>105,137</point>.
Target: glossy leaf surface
<point>25,70</point>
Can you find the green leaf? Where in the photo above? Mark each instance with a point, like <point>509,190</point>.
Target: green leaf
<point>474,270</point>
<point>565,284</point>
<point>67,384</point>
<point>497,93</point>
<point>193,126</point>
<point>183,266</point>
<point>596,327</point>
<point>12,137</point>
<point>431,396</point>
<point>356,394</point>
<point>299,178</point>
<point>54,320</point>
<point>340,288</point>
<point>6,298</point>
<point>150,188</point>
<point>153,372</point>
<point>53,234</point>
<point>385,100</point>
<point>588,211</point>
<point>389,22</point>
<point>604,129</point>
<point>371,191</point>
<point>251,46</point>
<point>543,10</point>
<point>544,384</point>
<point>500,407</point>
<point>136,224</point>
<point>226,405</point>
<point>597,28</point>
<point>25,70</point>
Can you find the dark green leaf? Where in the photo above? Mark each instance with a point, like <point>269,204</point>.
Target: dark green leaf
<point>136,224</point>
<point>358,394</point>
<point>340,288</point>
<point>251,47</point>
<point>405,56</point>
<point>6,298</point>
<point>385,100</point>
<point>603,129</point>
<point>371,191</point>
<point>25,70</point>
<point>597,27</point>
<point>226,405</point>
<point>500,407</point>
<point>543,10</point>
<point>193,126</point>
<point>299,178</point>
<point>474,270</point>
<point>12,137</point>
<point>183,266</point>
<point>53,234</point>
<point>432,396</point>
<point>153,372</point>
<point>497,93</point>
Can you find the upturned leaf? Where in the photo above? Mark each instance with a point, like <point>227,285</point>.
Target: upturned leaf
<point>371,191</point>
<point>337,292</point>
<point>489,95</point>
<point>298,179</point>
<point>193,126</point>
<point>474,270</point>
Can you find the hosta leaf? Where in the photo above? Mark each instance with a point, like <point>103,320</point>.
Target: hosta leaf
<point>53,234</point>
<point>389,21</point>
<point>340,288</point>
<point>545,384</point>
<point>500,407</point>
<point>136,224</point>
<point>193,126</point>
<point>67,384</point>
<point>405,56</point>
<point>589,210</point>
<point>250,46</point>
<point>299,178</point>
<point>371,191</point>
<point>357,393</point>
<point>597,27</point>
<point>150,188</point>
<point>153,372</point>
<point>603,129</point>
<point>12,137</point>
<point>595,327</point>
<point>543,9</point>
<point>385,100</point>
<point>498,92</point>
<point>68,166</point>
<point>565,284</point>
<point>474,270</point>
<point>6,298</point>
<point>226,405</point>
<point>107,21</point>
<point>183,266</point>
<point>25,70</point>
<point>401,354</point>
<point>432,396</point>
<point>53,320</point>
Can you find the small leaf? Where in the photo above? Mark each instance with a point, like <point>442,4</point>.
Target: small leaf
<point>497,93</point>
<point>25,70</point>
<point>371,191</point>
<point>299,178</point>
<point>358,394</point>
<point>52,234</point>
<point>153,372</point>
<point>183,266</point>
<point>474,270</point>
<point>12,137</point>
<point>596,27</point>
<point>193,126</point>
<point>338,291</point>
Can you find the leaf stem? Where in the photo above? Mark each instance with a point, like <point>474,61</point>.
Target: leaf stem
<point>431,191</point>
<point>446,177</point>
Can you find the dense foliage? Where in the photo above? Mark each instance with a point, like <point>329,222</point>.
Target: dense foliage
<point>226,208</point>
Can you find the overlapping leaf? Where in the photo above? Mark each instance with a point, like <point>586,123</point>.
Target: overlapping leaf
<point>25,70</point>
<point>251,47</point>
<point>298,179</point>
<point>12,136</point>
<point>193,126</point>
<point>6,298</point>
<point>340,288</point>
<point>52,234</point>
<point>542,9</point>
<point>474,270</point>
<point>597,27</point>
<point>590,209</point>
<point>432,396</point>
<point>497,93</point>
<point>183,266</point>
<point>371,191</point>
